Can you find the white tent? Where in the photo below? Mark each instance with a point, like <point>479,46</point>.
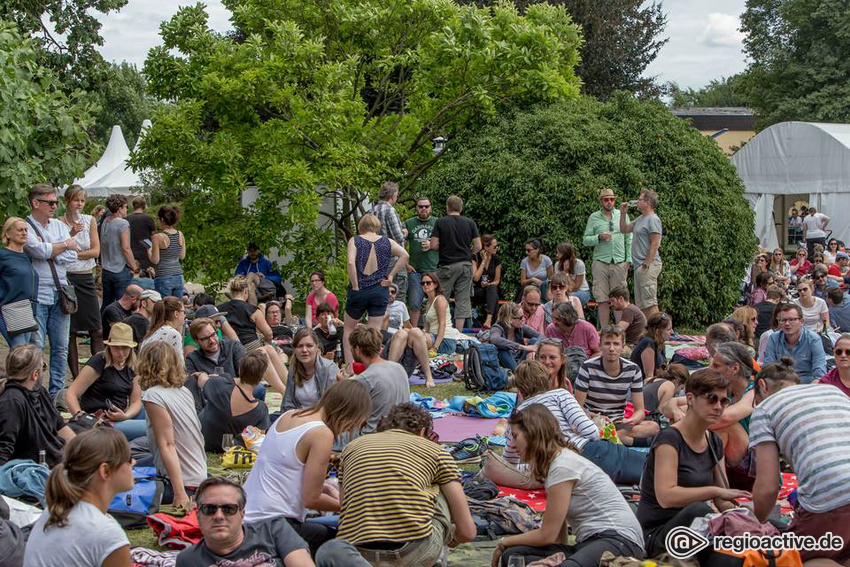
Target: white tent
<point>797,162</point>
<point>111,174</point>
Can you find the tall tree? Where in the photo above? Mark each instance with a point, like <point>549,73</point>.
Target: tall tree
<point>43,131</point>
<point>800,59</point>
<point>621,39</point>
<point>723,92</point>
<point>315,100</point>
<point>123,101</point>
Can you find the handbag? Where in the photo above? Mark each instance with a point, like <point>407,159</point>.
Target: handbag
<point>67,294</point>
<point>18,317</point>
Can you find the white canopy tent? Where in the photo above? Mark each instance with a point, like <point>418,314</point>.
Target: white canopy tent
<point>797,161</point>
<point>111,174</point>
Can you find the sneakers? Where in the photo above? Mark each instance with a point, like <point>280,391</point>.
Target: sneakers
<point>470,450</point>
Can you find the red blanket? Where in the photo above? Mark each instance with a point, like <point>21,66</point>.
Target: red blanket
<point>534,498</point>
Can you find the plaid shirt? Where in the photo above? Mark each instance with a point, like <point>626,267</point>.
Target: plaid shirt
<point>390,222</point>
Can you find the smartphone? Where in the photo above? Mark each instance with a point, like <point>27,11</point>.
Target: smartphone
<point>109,405</point>
<point>147,243</point>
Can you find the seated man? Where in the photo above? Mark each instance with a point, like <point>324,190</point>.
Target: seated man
<point>397,316</point>
<point>839,269</point>
<point>533,314</point>
<point>401,493</point>
<point>255,263</point>
<point>140,320</point>
<point>603,386</point>
<point>223,330</point>
<point>121,308</point>
<point>572,331</point>
<point>227,541</point>
<point>789,416</point>
<point>797,341</point>
<point>330,336</point>
<point>628,316</point>
<point>839,310</point>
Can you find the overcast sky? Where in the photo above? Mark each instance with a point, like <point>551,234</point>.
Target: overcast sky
<point>704,41</point>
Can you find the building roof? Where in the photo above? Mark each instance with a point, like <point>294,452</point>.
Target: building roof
<point>736,118</point>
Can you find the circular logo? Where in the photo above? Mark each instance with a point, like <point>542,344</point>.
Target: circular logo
<point>682,542</point>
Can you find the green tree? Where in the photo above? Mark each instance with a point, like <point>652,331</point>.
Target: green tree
<point>538,173</point>
<point>122,101</point>
<point>800,60</point>
<point>723,92</point>
<point>621,39</point>
<point>42,130</point>
<point>322,101</point>
<point>66,33</point>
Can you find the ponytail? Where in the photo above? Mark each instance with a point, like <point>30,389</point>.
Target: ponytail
<point>61,496</point>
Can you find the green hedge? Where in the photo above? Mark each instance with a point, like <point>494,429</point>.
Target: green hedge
<point>537,174</point>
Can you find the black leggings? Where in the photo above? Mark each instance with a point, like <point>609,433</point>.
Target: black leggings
<point>487,296</point>
<point>655,537</point>
<point>584,554</point>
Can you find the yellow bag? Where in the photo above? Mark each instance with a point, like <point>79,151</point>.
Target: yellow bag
<point>238,458</point>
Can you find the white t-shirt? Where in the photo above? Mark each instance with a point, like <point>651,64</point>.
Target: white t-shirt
<point>812,315</point>
<point>596,504</point>
<point>814,226</point>
<point>399,315</point>
<point>579,269</point>
<point>169,335</point>
<point>85,541</point>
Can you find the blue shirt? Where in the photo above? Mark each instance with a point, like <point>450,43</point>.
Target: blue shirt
<point>808,354</point>
<point>839,316</point>
<point>40,252</point>
<point>18,279</point>
<point>262,266</point>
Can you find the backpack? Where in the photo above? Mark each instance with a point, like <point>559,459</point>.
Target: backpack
<point>575,358</point>
<point>481,370</point>
<point>132,508</point>
<point>266,290</point>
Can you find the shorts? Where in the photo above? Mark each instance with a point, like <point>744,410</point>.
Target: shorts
<point>606,277</point>
<point>372,300</point>
<point>646,285</point>
<point>817,524</point>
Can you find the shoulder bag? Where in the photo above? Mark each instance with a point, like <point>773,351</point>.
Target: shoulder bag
<point>67,293</point>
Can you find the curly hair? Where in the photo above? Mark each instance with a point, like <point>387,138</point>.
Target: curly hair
<point>158,365</point>
<point>408,417</point>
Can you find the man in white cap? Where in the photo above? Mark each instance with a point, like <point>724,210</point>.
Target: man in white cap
<point>140,320</point>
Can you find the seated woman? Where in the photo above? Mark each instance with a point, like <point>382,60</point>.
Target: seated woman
<point>486,276</point>
<point>511,337</point>
<point>438,319</point>
<point>289,474</point>
<point>550,353</point>
<point>310,374</point>
<point>829,253</point>
<point>167,322</point>
<point>667,383</point>
<point>579,495</point>
<point>820,279</point>
<point>230,405</point>
<point>278,316</point>
<point>245,319</point>
<point>536,268</point>
<point>318,294</point>
<point>800,266</point>
<point>649,353</point>
<point>328,329</point>
<point>75,528</point>
<point>174,430</point>
<point>815,310</point>
<point>573,267</point>
<point>108,386</point>
<point>415,341</point>
<point>685,465</point>
<point>779,267</point>
<point>558,292</point>
<point>29,422</point>
<point>760,285</point>
<point>748,317</point>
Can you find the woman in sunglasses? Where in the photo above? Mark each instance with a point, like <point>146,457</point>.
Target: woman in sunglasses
<point>685,465</point>
<point>75,528</point>
<point>513,340</point>
<point>779,267</point>
<point>559,292</point>
<point>840,375</point>
<point>815,310</point>
<point>486,275</point>
<point>800,266</point>
<point>438,320</point>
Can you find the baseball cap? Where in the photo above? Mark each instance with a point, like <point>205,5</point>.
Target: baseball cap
<point>151,294</point>
<point>210,311</point>
<point>842,255</point>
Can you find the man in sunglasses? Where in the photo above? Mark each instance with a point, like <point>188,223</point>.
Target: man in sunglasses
<point>422,258</point>
<point>227,541</point>
<point>50,242</point>
<point>612,251</point>
<point>798,342</point>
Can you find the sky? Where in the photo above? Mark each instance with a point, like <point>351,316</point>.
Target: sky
<point>704,44</point>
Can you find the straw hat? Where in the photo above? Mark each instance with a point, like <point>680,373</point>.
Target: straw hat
<point>121,335</point>
<point>606,192</point>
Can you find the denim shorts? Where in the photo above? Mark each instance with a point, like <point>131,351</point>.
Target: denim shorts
<point>372,300</point>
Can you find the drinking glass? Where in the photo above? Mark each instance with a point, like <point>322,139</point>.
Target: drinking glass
<point>516,561</point>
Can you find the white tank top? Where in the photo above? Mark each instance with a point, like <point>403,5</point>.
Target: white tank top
<point>274,486</point>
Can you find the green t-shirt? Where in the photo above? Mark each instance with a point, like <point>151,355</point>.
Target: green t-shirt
<point>419,231</point>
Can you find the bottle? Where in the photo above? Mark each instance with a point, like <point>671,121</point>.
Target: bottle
<point>338,353</point>
<point>42,458</point>
<point>331,326</point>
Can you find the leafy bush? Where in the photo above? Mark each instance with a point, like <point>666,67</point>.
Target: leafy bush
<point>537,174</point>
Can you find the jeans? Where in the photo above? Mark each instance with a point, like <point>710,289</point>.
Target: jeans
<point>144,283</point>
<point>655,536</point>
<point>510,359</point>
<point>114,285</point>
<point>622,464</point>
<point>132,428</point>
<point>170,286</point>
<point>314,533</point>
<point>583,296</point>
<point>401,282</point>
<point>56,326</point>
<point>21,339</point>
<point>584,554</point>
<point>415,294</point>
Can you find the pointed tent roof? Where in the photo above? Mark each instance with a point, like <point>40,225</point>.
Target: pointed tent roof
<point>111,174</point>
<point>114,155</point>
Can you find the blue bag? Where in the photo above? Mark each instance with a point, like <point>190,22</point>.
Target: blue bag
<point>23,478</point>
<point>481,370</point>
<point>131,508</point>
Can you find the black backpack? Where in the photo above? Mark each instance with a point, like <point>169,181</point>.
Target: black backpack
<point>575,358</point>
<point>266,290</point>
<point>481,370</point>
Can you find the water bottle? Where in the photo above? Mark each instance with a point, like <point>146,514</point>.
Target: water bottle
<point>42,458</point>
<point>338,354</point>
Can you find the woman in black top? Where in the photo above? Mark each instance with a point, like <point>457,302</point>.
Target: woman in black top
<point>685,465</point>
<point>649,354</point>
<point>486,274</point>
<point>245,319</point>
<point>107,385</point>
<point>230,404</point>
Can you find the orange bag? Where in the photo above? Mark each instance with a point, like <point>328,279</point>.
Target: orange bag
<point>758,558</point>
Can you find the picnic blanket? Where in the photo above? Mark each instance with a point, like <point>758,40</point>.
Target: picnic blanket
<point>453,428</point>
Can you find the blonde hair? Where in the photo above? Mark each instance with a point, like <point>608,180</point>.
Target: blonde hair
<point>72,192</point>
<point>745,315</point>
<point>368,223</point>
<point>238,284</point>
<point>107,358</point>
<point>506,313</point>
<point>158,365</point>
<point>8,226</point>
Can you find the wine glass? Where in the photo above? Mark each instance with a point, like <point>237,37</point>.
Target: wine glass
<point>516,561</point>
<point>227,441</point>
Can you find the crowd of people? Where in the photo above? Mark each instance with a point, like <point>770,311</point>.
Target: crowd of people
<point>178,377</point>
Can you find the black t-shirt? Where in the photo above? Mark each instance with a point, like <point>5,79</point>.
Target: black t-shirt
<point>765,311</point>
<point>140,325</point>
<point>695,469</point>
<point>456,233</point>
<point>142,227</point>
<point>643,344</point>
<point>113,313</point>
<point>29,423</point>
<point>328,341</point>
<point>490,273</point>
<point>114,385</point>
<point>239,316</point>
<point>217,419</point>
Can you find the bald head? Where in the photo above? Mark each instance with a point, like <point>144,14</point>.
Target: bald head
<point>133,291</point>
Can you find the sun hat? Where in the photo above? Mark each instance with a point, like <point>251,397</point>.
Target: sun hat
<point>151,294</point>
<point>606,192</point>
<point>210,311</point>
<point>121,335</point>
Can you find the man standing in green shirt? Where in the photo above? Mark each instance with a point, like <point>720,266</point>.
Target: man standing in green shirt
<point>612,251</point>
<point>422,258</point>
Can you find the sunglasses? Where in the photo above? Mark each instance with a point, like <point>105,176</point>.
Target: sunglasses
<point>211,509</point>
<point>392,291</point>
<point>423,206</point>
<point>427,282</point>
<point>609,199</point>
<point>558,286</point>
<point>48,203</point>
<point>842,352</point>
<point>712,400</point>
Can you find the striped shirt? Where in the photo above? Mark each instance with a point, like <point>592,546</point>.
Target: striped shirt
<point>573,422</point>
<point>388,483</point>
<point>810,424</point>
<point>606,394</point>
